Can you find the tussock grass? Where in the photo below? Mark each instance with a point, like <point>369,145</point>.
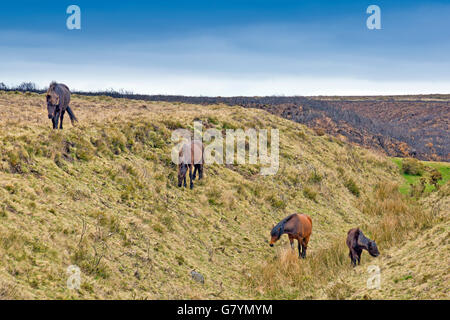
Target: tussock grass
<point>391,219</point>
<point>103,195</point>
<point>399,214</point>
<point>288,277</point>
<point>417,266</point>
<point>8,291</point>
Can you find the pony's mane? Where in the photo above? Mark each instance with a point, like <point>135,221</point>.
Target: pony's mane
<point>279,228</point>
<point>362,239</point>
<point>51,87</point>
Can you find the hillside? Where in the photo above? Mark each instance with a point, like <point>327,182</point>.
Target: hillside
<point>417,268</point>
<point>103,196</point>
<point>398,126</point>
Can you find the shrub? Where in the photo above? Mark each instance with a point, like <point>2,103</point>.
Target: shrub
<point>227,125</point>
<point>350,184</point>
<point>412,166</point>
<point>435,176</point>
<point>180,260</point>
<point>315,178</point>
<point>310,193</point>
<point>17,159</point>
<point>319,131</point>
<point>276,202</point>
<point>214,197</point>
<point>213,120</point>
<point>158,228</point>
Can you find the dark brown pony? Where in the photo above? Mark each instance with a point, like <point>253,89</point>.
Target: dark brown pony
<point>191,155</point>
<point>357,242</point>
<point>58,99</point>
<point>297,226</point>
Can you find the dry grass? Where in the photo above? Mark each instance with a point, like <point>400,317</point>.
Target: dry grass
<point>398,214</point>
<point>103,195</point>
<point>390,219</point>
<point>288,277</point>
<point>8,291</point>
<point>417,267</point>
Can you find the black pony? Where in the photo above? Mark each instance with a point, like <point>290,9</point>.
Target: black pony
<point>58,99</point>
<point>357,242</point>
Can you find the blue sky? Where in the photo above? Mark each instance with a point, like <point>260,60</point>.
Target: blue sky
<point>229,47</point>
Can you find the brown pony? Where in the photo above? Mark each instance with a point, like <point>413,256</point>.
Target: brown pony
<point>357,242</point>
<point>190,155</point>
<point>297,226</point>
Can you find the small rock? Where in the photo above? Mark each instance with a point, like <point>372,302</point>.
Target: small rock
<point>197,277</point>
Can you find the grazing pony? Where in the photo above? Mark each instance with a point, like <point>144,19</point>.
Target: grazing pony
<point>356,242</point>
<point>58,99</point>
<point>297,226</point>
<point>190,155</point>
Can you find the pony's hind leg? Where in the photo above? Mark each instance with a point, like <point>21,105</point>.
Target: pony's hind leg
<point>351,258</point>
<point>195,171</point>
<point>191,183</point>
<point>300,255</point>
<point>359,256</point>
<point>304,246</point>
<point>354,257</point>
<point>200,171</point>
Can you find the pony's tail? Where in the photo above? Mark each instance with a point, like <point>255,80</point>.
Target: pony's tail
<point>71,115</point>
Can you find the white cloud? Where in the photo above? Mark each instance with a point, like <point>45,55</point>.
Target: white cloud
<point>225,85</point>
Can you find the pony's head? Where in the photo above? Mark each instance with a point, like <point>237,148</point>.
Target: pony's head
<point>275,234</point>
<point>51,107</point>
<point>373,249</point>
<point>52,101</point>
<point>182,169</point>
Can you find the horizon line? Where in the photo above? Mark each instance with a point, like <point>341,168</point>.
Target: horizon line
<point>127,93</point>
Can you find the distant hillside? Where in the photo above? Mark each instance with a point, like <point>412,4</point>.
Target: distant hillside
<point>103,196</point>
<point>400,127</point>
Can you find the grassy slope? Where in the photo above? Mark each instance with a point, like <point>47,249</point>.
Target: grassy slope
<point>103,196</point>
<point>416,268</point>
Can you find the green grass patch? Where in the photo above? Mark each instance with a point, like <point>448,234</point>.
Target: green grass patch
<point>409,179</point>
